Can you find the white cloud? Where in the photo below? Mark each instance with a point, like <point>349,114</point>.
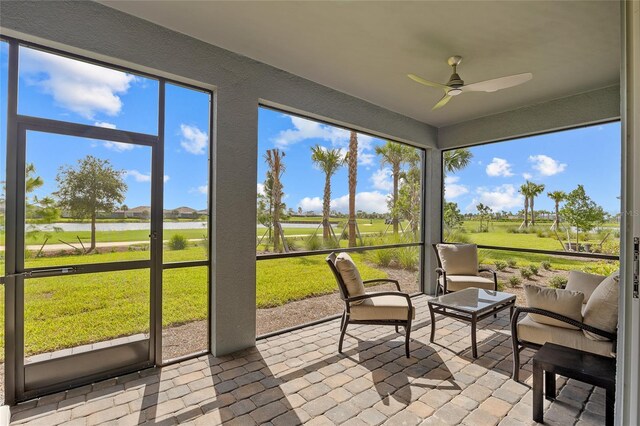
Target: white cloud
<point>104,124</point>
<point>381,179</point>
<point>499,167</point>
<point>373,201</point>
<point>503,197</point>
<point>304,129</point>
<point>454,189</point>
<point>118,146</point>
<point>141,177</point>
<point>546,165</point>
<point>83,88</point>
<point>311,204</point>
<point>527,176</point>
<point>193,140</point>
<point>203,189</point>
<point>260,189</point>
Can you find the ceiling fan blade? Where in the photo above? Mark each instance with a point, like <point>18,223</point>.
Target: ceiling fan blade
<point>426,82</point>
<point>498,83</point>
<point>442,102</point>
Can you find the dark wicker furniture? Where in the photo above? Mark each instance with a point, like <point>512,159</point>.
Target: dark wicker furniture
<point>470,305</point>
<point>346,315</point>
<point>518,344</point>
<point>442,274</point>
<point>586,367</point>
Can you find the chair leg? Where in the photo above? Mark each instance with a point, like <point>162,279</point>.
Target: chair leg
<point>516,361</point>
<point>406,342</point>
<point>397,329</point>
<point>342,333</point>
<point>344,314</point>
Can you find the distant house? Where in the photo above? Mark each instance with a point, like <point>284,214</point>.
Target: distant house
<point>140,212</point>
<point>182,213</point>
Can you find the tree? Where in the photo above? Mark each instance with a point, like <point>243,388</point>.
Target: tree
<point>526,191</point>
<point>557,197</point>
<point>581,212</point>
<point>451,215</point>
<point>274,190</point>
<point>38,210</point>
<point>395,155</point>
<point>352,161</point>
<point>534,190</point>
<point>410,194</point>
<point>484,213</point>
<point>93,186</point>
<point>456,159</point>
<point>329,161</point>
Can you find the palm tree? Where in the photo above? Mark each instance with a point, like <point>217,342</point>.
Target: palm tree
<point>352,160</point>
<point>536,189</point>
<point>525,190</point>
<point>274,157</point>
<point>557,197</point>
<point>456,159</point>
<point>395,155</point>
<point>329,160</point>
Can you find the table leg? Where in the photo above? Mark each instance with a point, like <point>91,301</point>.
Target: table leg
<point>511,310</point>
<point>549,385</point>
<point>537,394</point>
<point>433,324</point>
<point>610,396</point>
<point>474,347</point>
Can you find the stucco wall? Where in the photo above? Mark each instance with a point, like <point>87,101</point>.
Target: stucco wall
<point>241,83</point>
<point>595,106</point>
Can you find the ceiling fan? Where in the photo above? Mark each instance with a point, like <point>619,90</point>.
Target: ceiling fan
<point>456,86</point>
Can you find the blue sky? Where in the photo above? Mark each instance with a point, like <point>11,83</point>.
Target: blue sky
<point>59,88</point>
<point>303,181</point>
<point>589,156</point>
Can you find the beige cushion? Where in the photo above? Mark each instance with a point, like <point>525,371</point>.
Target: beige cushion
<point>460,282</point>
<point>534,332</point>
<point>382,308</point>
<point>350,275</point>
<point>563,302</point>
<point>459,259</point>
<point>584,283</point>
<point>601,311</point>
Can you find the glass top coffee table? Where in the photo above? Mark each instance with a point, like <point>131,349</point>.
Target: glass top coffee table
<point>470,305</point>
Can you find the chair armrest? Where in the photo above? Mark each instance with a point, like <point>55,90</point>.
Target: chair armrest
<point>379,294</point>
<point>582,326</point>
<point>383,280</point>
<point>441,271</point>
<point>495,276</point>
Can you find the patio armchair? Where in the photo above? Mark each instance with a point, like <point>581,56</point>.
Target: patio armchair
<point>458,269</point>
<point>376,308</point>
<point>583,316</point>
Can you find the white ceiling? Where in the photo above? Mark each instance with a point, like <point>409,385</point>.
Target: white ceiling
<point>366,49</point>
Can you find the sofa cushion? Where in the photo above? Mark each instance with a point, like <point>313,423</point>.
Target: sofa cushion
<point>601,311</point>
<point>350,275</point>
<point>584,283</point>
<point>460,282</point>
<point>459,259</point>
<point>535,332</point>
<point>382,308</point>
<point>563,302</point>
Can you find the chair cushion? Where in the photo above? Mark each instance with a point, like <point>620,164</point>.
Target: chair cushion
<point>382,308</point>
<point>535,332</point>
<point>584,283</point>
<point>563,302</point>
<point>350,275</point>
<point>458,259</point>
<point>601,311</point>
<point>460,282</point>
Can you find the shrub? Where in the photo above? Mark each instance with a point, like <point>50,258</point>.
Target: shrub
<point>512,263</point>
<point>534,269</point>
<point>456,236</point>
<point>331,243</point>
<point>177,242</point>
<point>501,286</point>
<point>313,243</point>
<point>546,265</point>
<point>382,257</point>
<point>514,281</point>
<point>500,265</point>
<point>602,268</point>
<point>408,258</point>
<point>526,273</point>
<point>558,281</point>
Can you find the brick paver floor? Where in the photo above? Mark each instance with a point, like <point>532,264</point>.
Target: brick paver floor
<point>299,378</point>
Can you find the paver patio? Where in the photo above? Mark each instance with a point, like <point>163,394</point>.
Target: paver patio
<point>299,377</point>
